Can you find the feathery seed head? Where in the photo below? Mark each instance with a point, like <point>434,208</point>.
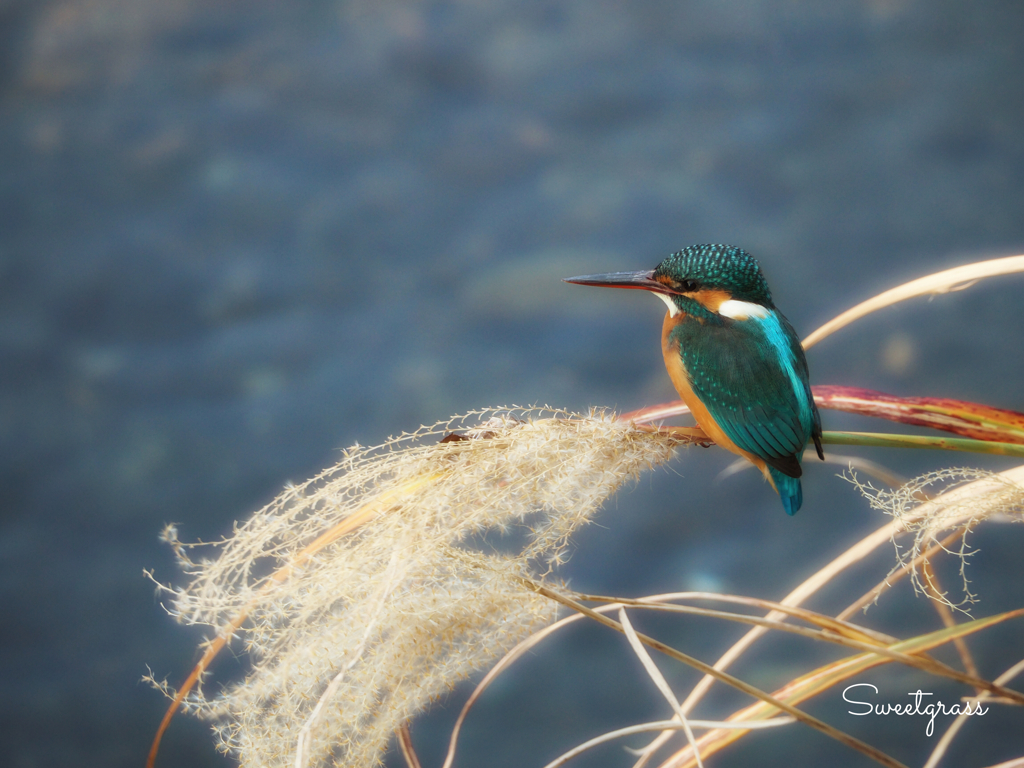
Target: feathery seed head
<point>370,589</point>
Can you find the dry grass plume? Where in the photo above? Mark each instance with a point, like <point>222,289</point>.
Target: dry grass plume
<point>351,635</point>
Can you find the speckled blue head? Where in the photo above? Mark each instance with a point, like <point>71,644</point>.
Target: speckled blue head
<point>716,267</point>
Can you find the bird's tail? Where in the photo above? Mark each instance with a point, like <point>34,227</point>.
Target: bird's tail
<point>789,489</point>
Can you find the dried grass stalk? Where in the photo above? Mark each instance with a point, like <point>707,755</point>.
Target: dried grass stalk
<point>973,420</point>
<point>947,281</point>
<point>351,635</point>
<point>932,505</point>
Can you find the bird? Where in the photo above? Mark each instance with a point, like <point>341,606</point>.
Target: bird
<point>734,359</point>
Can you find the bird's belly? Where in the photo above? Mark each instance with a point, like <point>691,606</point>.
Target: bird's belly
<point>681,381</point>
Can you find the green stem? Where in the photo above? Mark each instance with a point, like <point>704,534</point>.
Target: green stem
<point>882,440</point>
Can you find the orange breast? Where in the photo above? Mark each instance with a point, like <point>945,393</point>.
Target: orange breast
<point>681,381</point>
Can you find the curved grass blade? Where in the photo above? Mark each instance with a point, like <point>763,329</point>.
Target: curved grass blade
<point>826,575</point>
<point>766,699</point>
<point>946,281</point>
<point>883,440</point>
<point>831,631</point>
<point>663,725</point>
<point>982,423</point>
<point>973,420</point>
<point>954,728</point>
<point>825,677</point>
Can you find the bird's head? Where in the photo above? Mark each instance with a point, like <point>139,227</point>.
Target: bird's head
<point>699,280</point>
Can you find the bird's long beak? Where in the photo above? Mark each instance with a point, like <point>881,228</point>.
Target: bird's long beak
<point>643,281</point>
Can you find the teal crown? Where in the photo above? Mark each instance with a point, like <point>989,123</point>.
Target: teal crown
<point>723,267</point>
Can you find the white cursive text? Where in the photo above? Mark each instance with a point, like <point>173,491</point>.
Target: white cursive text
<point>914,708</point>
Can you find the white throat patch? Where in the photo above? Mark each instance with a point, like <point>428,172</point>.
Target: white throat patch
<point>742,310</point>
<point>673,310</point>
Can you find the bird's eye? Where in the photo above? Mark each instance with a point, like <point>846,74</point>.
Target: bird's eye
<point>688,286</point>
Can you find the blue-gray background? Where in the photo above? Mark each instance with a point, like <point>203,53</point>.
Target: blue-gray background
<point>238,236</point>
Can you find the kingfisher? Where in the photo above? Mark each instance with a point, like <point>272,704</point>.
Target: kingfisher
<point>733,357</point>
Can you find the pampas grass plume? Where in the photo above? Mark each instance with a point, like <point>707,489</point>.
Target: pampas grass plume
<point>351,635</point>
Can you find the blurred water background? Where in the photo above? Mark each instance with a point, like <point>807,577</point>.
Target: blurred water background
<point>237,237</point>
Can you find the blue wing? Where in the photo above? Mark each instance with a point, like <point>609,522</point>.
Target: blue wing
<point>752,377</point>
